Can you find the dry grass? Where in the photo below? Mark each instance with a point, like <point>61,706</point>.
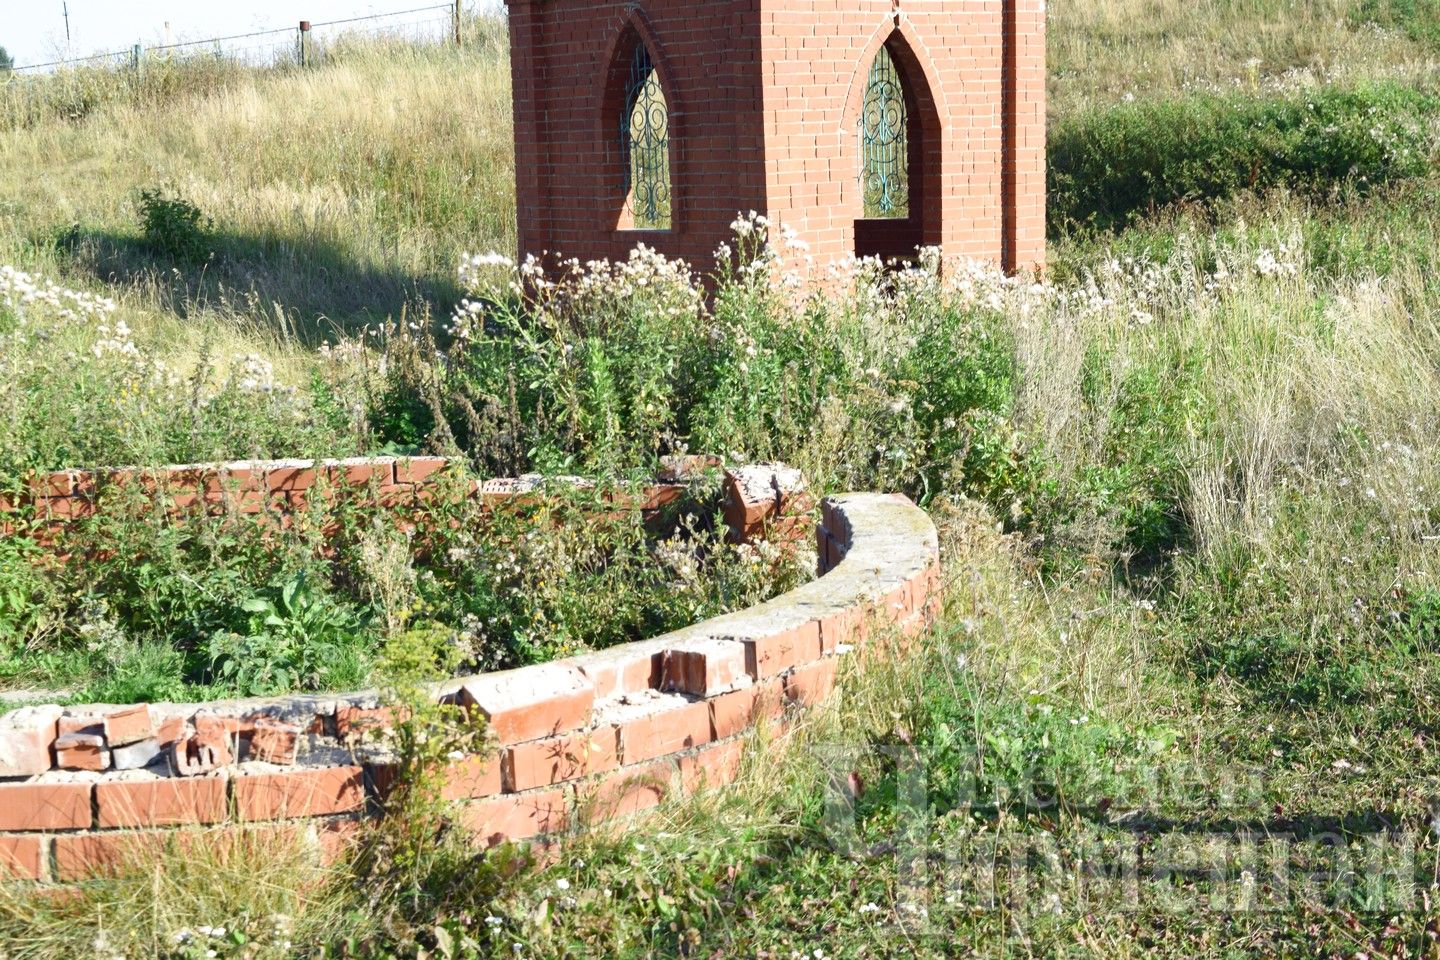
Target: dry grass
<point>263,889</point>
<point>339,194</point>
<point>1101,51</point>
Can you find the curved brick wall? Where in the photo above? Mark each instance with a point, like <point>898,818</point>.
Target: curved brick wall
<point>573,742</point>
<point>274,490</point>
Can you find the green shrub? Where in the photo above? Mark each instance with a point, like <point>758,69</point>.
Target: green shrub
<point>533,581</point>
<point>1110,165</point>
<point>175,581</point>
<point>23,602</point>
<point>175,227</point>
<point>907,382</point>
<point>297,637</point>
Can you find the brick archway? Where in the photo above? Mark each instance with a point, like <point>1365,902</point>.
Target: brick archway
<point>924,105</point>
<point>634,31</point>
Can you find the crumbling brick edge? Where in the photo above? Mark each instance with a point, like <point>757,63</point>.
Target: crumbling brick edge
<point>573,743</point>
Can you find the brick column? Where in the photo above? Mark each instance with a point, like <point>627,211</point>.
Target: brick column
<point>1023,131</point>
<point>525,70</point>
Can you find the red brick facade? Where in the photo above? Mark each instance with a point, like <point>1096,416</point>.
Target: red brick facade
<point>764,99</point>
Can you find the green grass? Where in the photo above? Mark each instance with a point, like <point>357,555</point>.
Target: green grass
<point>1111,165</point>
<point>1417,19</point>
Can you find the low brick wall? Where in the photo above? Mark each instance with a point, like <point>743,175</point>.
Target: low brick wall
<point>573,743</point>
<point>277,491</point>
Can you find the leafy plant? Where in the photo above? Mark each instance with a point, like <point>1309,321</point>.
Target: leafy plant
<point>298,638</point>
<point>22,588</point>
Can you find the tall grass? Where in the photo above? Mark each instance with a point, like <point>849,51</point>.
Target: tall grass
<point>252,893</point>
<point>1104,52</point>
<point>339,194</point>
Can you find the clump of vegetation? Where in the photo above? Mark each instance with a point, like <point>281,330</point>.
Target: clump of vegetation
<point>600,371</point>
<point>298,638</point>
<point>195,606</point>
<point>175,227</point>
<point>913,381</point>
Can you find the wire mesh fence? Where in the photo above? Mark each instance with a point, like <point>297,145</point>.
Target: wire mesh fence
<point>305,44</point>
<point>262,48</point>
<point>114,58</point>
<point>434,24</point>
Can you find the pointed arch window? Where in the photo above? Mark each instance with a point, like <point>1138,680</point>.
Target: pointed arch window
<point>884,142</point>
<point>645,145</point>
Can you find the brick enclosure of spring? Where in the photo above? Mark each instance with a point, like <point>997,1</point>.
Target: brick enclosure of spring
<point>571,744</point>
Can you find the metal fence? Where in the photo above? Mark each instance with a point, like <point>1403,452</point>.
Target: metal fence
<point>305,44</point>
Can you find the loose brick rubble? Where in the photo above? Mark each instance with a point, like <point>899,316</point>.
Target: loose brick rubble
<point>81,751</point>
<point>274,741</point>
<point>26,736</point>
<point>128,726</point>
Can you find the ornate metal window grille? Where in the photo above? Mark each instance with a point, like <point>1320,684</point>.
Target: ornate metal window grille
<point>645,145</point>
<point>884,142</point>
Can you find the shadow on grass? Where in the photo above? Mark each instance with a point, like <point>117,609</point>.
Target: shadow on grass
<point>305,287</point>
<point>1299,827</point>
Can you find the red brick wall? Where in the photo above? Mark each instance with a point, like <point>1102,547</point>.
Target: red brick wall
<point>1024,123</point>
<point>567,147</point>
<point>274,492</point>
<point>765,98</point>
<point>266,489</point>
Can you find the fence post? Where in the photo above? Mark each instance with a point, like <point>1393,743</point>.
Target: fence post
<point>135,57</point>
<point>456,18</point>
<point>304,43</point>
